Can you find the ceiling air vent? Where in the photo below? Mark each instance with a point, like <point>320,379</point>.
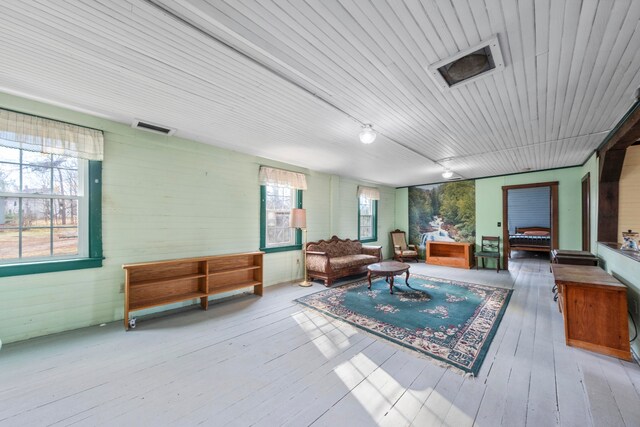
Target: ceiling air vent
<point>468,65</point>
<point>152,127</point>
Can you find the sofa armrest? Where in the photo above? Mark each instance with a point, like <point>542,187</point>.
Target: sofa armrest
<point>412,247</point>
<point>318,261</point>
<point>373,250</point>
<point>318,253</point>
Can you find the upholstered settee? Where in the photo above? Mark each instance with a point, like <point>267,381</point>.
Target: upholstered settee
<point>334,258</point>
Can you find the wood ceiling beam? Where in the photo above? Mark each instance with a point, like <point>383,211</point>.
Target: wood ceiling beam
<point>626,132</point>
<point>611,153</point>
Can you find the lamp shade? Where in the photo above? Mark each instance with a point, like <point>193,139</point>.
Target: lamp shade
<point>298,218</point>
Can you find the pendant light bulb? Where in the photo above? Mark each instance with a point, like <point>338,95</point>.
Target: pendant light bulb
<point>367,135</point>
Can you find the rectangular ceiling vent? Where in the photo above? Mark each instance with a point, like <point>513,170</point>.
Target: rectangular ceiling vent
<point>152,127</point>
<point>468,65</point>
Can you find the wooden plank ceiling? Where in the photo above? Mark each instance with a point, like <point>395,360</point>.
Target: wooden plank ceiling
<point>294,80</point>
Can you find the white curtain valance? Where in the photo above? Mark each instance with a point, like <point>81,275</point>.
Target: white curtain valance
<point>282,178</point>
<point>34,133</point>
<point>369,193</point>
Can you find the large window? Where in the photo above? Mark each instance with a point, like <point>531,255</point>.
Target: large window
<point>367,219</point>
<point>276,233</point>
<point>280,191</point>
<point>50,207</point>
<point>43,208</point>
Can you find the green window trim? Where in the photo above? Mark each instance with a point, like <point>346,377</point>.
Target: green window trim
<point>374,223</point>
<point>23,268</point>
<point>263,225</point>
<point>94,260</point>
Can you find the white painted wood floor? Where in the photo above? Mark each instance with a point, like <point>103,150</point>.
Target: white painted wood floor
<point>268,362</point>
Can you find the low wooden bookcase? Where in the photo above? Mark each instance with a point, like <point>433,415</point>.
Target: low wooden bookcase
<point>152,284</point>
<point>451,254</point>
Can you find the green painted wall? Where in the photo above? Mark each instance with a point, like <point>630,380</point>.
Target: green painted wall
<point>489,203</point>
<point>163,198</point>
<point>402,209</point>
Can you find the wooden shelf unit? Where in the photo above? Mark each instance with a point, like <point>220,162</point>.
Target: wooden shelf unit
<point>152,284</point>
<point>451,254</point>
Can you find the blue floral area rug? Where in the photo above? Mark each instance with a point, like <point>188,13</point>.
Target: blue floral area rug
<point>451,321</point>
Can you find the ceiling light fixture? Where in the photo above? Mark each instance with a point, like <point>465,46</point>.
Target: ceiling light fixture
<point>367,135</point>
<point>447,174</point>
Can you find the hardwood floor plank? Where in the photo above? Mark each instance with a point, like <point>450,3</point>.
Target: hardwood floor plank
<point>570,393</point>
<point>542,407</point>
<point>435,408</point>
<point>519,383</point>
<point>493,401</point>
<point>409,403</point>
<point>626,396</point>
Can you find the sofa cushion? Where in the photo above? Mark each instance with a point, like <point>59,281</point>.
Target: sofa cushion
<point>349,261</point>
<point>407,253</point>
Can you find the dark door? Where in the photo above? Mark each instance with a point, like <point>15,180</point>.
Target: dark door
<point>586,218</point>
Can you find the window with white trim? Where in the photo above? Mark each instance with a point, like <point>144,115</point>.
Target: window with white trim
<point>279,202</point>
<point>43,208</point>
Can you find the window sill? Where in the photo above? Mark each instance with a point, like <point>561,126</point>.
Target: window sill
<point>20,269</point>
<point>282,249</point>
<point>368,240</point>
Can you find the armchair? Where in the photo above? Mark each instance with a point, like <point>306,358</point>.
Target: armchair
<point>402,250</point>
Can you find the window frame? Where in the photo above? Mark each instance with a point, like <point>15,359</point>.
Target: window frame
<point>374,221</point>
<point>95,256</point>
<point>263,224</point>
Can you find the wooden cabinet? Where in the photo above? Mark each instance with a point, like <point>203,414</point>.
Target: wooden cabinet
<point>452,254</point>
<point>594,306</point>
<point>152,284</point>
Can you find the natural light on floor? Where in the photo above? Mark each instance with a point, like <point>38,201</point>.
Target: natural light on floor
<point>369,383</point>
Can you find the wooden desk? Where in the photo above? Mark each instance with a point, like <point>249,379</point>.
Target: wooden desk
<point>594,307</point>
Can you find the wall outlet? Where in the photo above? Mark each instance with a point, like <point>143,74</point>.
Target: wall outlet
<point>122,288</point>
<point>499,224</point>
<point>298,261</point>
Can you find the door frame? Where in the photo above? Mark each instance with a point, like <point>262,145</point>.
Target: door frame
<point>586,211</point>
<point>553,185</point>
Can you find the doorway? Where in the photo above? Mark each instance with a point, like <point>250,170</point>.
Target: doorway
<point>553,220</point>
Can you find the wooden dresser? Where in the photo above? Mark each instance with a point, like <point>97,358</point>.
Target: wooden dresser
<point>594,306</point>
